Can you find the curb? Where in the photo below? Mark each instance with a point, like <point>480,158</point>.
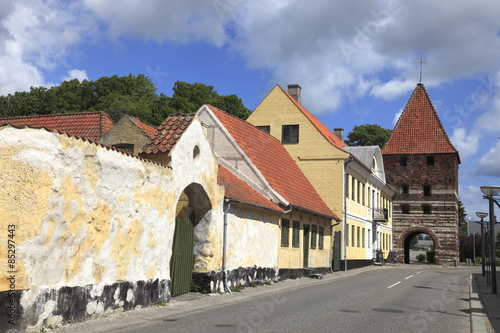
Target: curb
<point>479,321</point>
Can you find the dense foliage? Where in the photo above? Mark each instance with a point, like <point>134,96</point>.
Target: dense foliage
<point>368,135</point>
<point>462,219</point>
<point>117,96</point>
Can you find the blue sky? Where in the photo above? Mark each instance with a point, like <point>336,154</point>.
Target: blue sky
<point>357,61</point>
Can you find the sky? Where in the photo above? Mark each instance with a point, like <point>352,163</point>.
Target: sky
<point>356,61</point>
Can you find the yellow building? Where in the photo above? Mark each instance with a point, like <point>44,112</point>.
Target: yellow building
<point>333,168</point>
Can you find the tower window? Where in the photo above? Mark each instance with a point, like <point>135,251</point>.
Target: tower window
<point>403,161</point>
<point>405,209</point>
<point>427,191</point>
<point>405,189</point>
<point>426,209</point>
<point>430,160</point>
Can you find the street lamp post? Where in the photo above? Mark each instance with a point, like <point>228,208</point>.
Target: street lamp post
<point>482,215</point>
<point>489,193</point>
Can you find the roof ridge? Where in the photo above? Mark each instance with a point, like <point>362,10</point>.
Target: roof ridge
<point>57,114</point>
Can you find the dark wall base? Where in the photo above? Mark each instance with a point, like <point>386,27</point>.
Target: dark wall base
<point>294,273</point>
<point>74,303</point>
<point>214,281</point>
<point>355,263</point>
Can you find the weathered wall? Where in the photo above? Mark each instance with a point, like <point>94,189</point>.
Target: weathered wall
<point>93,226</point>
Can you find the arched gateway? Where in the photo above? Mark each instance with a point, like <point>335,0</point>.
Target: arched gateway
<point>422,164</point>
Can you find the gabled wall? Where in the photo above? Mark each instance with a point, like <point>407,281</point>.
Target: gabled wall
<point>125,131</point>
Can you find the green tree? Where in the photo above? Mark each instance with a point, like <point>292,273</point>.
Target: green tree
<point>462,219</point>
<point>368,135</point>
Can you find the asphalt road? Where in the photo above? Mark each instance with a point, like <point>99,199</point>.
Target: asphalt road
<point>413,299</point>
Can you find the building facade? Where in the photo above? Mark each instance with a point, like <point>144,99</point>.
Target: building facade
<point>326,161</point>
<point>422,164</point>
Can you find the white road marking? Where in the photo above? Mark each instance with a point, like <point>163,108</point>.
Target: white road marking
<point>406,278</point>
<point>394,284</point>
<point>419,272</point>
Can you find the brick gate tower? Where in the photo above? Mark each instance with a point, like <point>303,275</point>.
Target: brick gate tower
<point>422,164</point>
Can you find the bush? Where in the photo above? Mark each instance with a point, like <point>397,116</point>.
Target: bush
<point>421,257</point>
<point>430,256</point>
<point>497,253</point>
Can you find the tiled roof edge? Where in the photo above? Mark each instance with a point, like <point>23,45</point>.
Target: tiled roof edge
<point>89,141</point>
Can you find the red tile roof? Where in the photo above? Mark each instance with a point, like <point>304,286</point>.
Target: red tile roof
<point>238,190</point>
<point>332,138</point>
<point>419,130</point>
<point>275,164</point>
<point>89,125</point>
<point>168,133</point>
<point>149,130</point>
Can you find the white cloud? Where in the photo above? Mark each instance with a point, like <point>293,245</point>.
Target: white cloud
<point>489,163</point>
<point>76,74</point>
<point>393,89</point>
<point>466,144</point>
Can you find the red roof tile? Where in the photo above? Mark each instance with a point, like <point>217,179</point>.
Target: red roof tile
<point>419,130</point>
<point>89,125</point>
<point>238,190</point>
<point>275,164</point>
<point>149,130</point>
<point>332,138</point>
<point>168,133</point>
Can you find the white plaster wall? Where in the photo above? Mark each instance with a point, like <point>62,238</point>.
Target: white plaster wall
<point>253,236</point>
<point>88,215</point>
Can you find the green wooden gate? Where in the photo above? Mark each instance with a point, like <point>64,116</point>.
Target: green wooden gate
<point>181,262</point>
<point>336,251</point>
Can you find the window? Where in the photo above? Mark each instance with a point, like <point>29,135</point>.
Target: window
<point>296,234</point>
<point>405,189</point>
<point>357,236</point>
<point>314,232</point>
<point>266,129</point>
<point>290,134</point>
<point>427,191</point>
<point>285,232</point>
<point>426,209</point>
<point>369,238</point>
<point>353,195</point>
<point>359,192</point>
<point>321,233</point>
<point>353,230</point>
<point>347,185</point>
<point>403,161</point>
<point>347,235</point>
<point>126,147</point>
<point>405,209</point>
<point>196,152</point>
<point>363,237</point>
<point>363,194</point>
<point>430,160</point>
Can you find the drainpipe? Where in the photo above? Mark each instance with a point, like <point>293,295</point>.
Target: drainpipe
<point>346,184</point>
<point>224,246</point>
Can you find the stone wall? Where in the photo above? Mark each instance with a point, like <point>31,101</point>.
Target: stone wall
<point>442,222</point>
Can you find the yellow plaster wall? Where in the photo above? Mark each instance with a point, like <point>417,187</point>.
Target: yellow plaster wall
<point>293,257</point>
<point>354,251</point>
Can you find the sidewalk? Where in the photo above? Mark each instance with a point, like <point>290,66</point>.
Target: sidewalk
<point>482,298</point>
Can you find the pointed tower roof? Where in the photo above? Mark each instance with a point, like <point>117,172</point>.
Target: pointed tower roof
<point>419,130</point>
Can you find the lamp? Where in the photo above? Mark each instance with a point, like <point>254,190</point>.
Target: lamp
<point>490,190</point>
<point>489,193</point>
<point>482,215</point>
